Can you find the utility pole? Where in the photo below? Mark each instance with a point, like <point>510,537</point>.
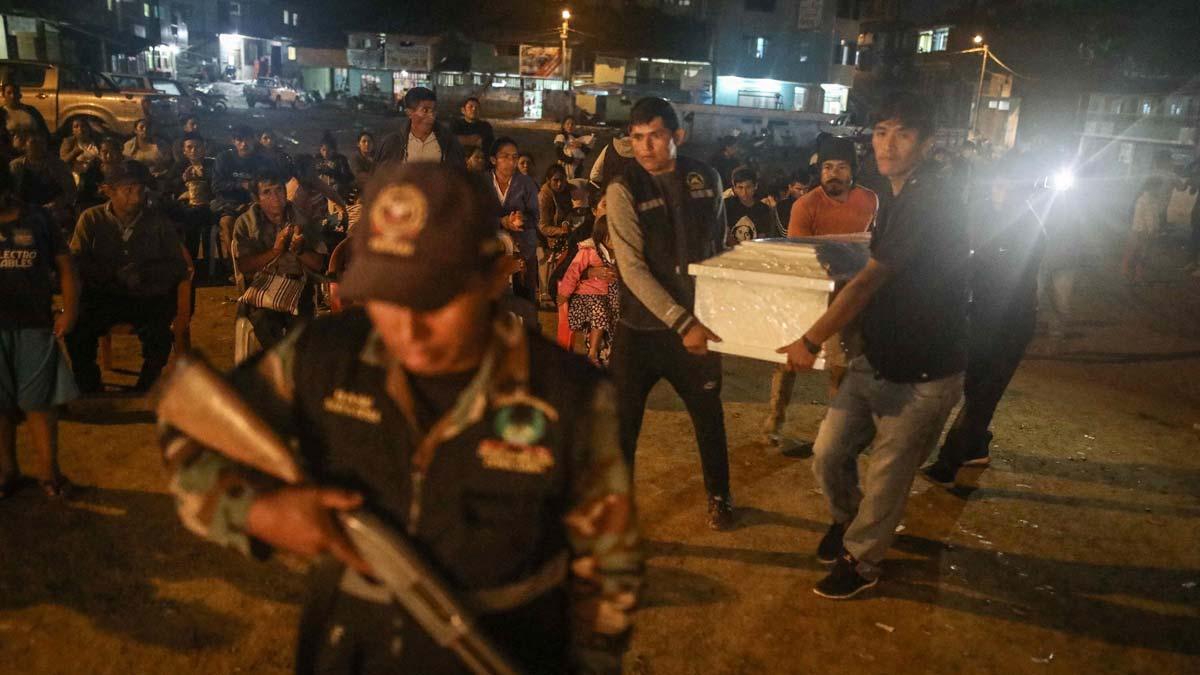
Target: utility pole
<point>562,35</point>
<point>979,89</point>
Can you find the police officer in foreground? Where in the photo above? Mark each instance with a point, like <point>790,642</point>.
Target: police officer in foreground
<point>492,449</point>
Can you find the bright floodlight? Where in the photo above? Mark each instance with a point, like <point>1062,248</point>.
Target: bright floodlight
<point>1063,179</point>
<point>566,14</point>
<point>978,39</point>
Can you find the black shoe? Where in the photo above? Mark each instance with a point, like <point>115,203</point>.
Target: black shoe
<point>798,450</point>
<point>720,513</point>
<point>980,457</point>
<point>981,460</point>
<point>939,474</point>
<point>844,581</point>
<point>830,548</point>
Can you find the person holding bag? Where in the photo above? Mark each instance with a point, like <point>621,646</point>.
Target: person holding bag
<point>277,250</point>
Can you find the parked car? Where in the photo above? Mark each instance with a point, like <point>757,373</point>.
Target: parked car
<point>166,105</point>
<point>184,96</point>
<point>209,99</point>
<point>273,91</point>
<point>64,93</point>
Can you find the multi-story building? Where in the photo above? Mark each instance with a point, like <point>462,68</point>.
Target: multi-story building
<point>101,34</point>
<point>785,54</point>
<point>903,45</point>
<point>1129,121</point>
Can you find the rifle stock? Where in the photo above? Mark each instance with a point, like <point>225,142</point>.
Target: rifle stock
<point>195,399</point>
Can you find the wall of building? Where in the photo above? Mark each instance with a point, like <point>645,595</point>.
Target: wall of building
<point>708,123</point>
<point>798,36</point>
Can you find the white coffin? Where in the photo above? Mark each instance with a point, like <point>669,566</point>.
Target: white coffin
<point>763,294</point>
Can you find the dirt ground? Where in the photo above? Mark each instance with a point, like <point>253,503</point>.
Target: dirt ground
<point>1076,551</point>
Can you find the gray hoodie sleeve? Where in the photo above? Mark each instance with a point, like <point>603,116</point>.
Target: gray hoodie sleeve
<point>631,261</point>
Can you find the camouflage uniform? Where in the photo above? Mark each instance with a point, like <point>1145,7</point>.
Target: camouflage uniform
<point>504,501</point>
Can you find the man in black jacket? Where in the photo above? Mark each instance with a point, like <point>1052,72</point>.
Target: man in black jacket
<point>1009,241</point>
<point>420,138</point>
<point>664,213</point>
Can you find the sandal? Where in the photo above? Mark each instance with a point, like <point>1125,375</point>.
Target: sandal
<point>58,487</point>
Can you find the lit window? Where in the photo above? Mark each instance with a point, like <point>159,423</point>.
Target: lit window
<point>925,42</point>
<point>291,53</point>
<point>286,17</point>
<point>1147,107</point>
<point>1005,105</point>
<point>758,47</point>
<point>1177,108</point>
<point>993,104</point>
<point>146,9</point>
<point>800,98</point>
<point>941,38</point>
<point>110,5</point>
<point>295,18</point>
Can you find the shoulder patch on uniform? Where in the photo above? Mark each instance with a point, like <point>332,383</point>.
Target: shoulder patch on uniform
<point>23,237</point>
<point>695,181</point>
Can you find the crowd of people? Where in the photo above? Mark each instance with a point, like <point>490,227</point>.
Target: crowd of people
<point>506,460</point>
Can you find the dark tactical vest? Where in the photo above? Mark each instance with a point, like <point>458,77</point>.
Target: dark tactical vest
<point>487,511</point>
<point>667,255</point>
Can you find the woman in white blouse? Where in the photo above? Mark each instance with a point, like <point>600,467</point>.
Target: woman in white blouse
<point>146,149</point>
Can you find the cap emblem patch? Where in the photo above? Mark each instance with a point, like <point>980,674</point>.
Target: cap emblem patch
<point>397,217</point>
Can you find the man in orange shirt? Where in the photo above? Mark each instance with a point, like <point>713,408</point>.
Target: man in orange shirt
<point>838,206</point>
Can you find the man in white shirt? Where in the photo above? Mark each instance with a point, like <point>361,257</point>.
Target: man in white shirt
<point>420,138</point>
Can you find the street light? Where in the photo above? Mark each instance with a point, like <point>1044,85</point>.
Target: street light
<point>562,34</point>
<point>978,39</point>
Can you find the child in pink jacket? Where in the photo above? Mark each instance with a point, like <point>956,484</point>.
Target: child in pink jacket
<point>591,301</point>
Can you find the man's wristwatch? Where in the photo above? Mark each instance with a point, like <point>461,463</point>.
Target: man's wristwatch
<point>812,347</point>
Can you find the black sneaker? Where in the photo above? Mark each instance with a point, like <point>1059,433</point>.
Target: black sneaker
<point>830,548</point>
<point>939,474</point>
<point>844,581</point>
<point>720,513</point>
<point>797,449</point>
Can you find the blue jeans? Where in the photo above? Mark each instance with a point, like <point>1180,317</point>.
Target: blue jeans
<point>902,421</point>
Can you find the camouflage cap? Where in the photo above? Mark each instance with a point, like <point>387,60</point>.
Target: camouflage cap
<point>427,229</point>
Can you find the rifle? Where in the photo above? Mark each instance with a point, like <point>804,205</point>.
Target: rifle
<point>195,399</point>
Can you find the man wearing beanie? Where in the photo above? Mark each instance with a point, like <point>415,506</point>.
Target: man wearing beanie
<point>495,452</point>
<point>838,206</point>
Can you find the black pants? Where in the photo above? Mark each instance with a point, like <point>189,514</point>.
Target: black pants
<point>98,312</point>
<point>996,348</point>
<point>270,327</point>
<point>525,282</point>
<point>640,359</point>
